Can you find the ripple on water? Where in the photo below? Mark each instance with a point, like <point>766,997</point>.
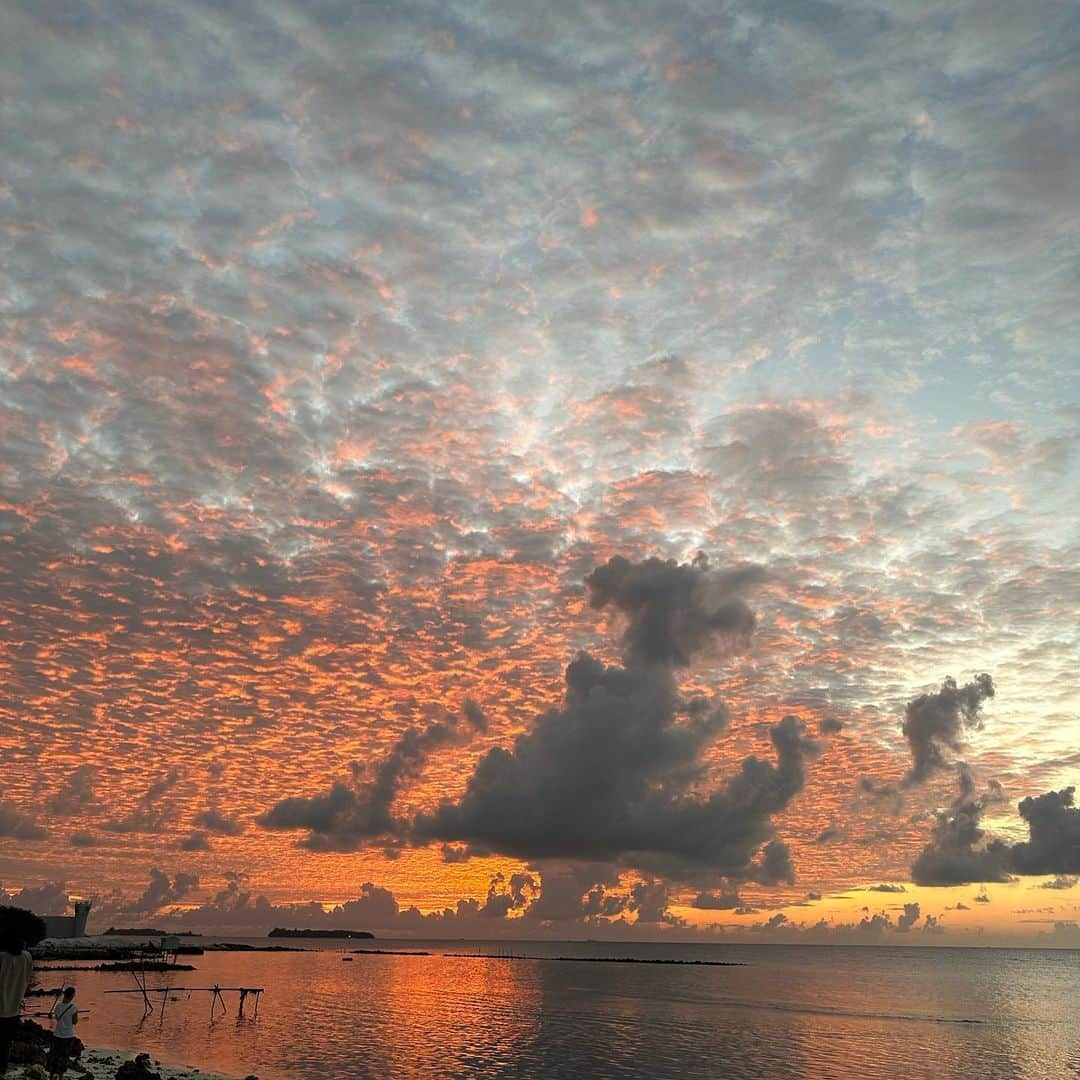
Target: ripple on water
<point>790,1013</point>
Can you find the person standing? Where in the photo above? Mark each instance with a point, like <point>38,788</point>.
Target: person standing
<point>66,1014</point>
<point>16,967</point>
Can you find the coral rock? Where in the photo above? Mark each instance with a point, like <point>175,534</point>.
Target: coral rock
<point>139,1069</point>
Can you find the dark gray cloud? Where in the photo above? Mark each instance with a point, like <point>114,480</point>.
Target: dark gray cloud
<point>215,821</point>
<point>578,786</point>
<point>575,891</point>
<point>650,899</point>
<point>506,895</point>
<point>674,610</point>
<point>908,918</point>
<point>1062,881</point>
<point>455,853</point>
<point>550,899</point>
<point>475,715</point>
<point>959,851</point>
<point>936,722</point>
<point>876,927</point>
<point>775,865</point>
<point>607,775</point>
<point>161,891</point>
<point>18,825</point>
<point>1053,844</point>
<point>714,714</point>
<point>353,814</point>
<point>50,898</point>
<point>348,817</point>
<point>717,901</point>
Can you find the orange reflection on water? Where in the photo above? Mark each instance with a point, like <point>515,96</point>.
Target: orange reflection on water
<point>784,1012</point>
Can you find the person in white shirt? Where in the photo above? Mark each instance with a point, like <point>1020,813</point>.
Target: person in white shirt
<point>66,1014</point>
<point>16,967</point>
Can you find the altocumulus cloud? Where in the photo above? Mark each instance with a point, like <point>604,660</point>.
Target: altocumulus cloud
<point>314,318</point>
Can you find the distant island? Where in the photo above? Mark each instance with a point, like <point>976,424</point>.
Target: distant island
<point>146,931</point>
<point>280,931</point>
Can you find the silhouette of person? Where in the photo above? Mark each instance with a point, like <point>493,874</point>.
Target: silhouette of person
<point>66,1015</point>
<point>16,967</point>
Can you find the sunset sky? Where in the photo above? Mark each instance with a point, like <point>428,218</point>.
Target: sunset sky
<point>364,365</point>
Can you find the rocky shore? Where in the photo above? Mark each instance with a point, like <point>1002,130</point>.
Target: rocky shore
<point>120,953</point>
<point>113,1065</point>
<point>30,1052</point>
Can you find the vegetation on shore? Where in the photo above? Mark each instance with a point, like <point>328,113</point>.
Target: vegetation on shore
<point>280,931</point>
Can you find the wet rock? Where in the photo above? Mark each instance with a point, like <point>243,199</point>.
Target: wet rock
<point>24,1053</point>
<point>31,1043</point>
<point>139,1069</point>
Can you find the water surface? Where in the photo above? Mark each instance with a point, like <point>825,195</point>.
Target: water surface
<point>789,1012</point>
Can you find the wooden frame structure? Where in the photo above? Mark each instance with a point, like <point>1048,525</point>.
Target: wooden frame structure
<point>217,996</point>
<point>167,948</point>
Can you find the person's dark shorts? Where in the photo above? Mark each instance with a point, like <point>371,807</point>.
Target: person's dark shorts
<point>60,1055</point>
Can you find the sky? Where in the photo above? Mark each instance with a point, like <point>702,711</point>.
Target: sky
<point>508,470</point>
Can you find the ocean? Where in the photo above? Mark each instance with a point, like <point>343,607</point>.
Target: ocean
<point>785,1012</point>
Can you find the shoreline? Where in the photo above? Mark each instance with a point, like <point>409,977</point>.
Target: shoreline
<point>101,1064</point>
<point>129,948</point>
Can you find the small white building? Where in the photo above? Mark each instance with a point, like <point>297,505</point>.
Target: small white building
<point>68,926</point>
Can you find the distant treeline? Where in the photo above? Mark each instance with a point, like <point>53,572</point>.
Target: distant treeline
<point>121,965</point>
<point>146,931</point>
<point>280,931</point>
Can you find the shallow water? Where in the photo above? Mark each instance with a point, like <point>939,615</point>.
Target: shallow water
<point>790,1012</point>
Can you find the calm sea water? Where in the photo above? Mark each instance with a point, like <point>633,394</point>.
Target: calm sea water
<point>790,1012</point>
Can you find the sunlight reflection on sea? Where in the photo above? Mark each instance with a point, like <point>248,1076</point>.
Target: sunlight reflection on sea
<point>790,1012</point>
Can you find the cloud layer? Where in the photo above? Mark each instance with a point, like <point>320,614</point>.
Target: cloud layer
<point>314,419</point>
